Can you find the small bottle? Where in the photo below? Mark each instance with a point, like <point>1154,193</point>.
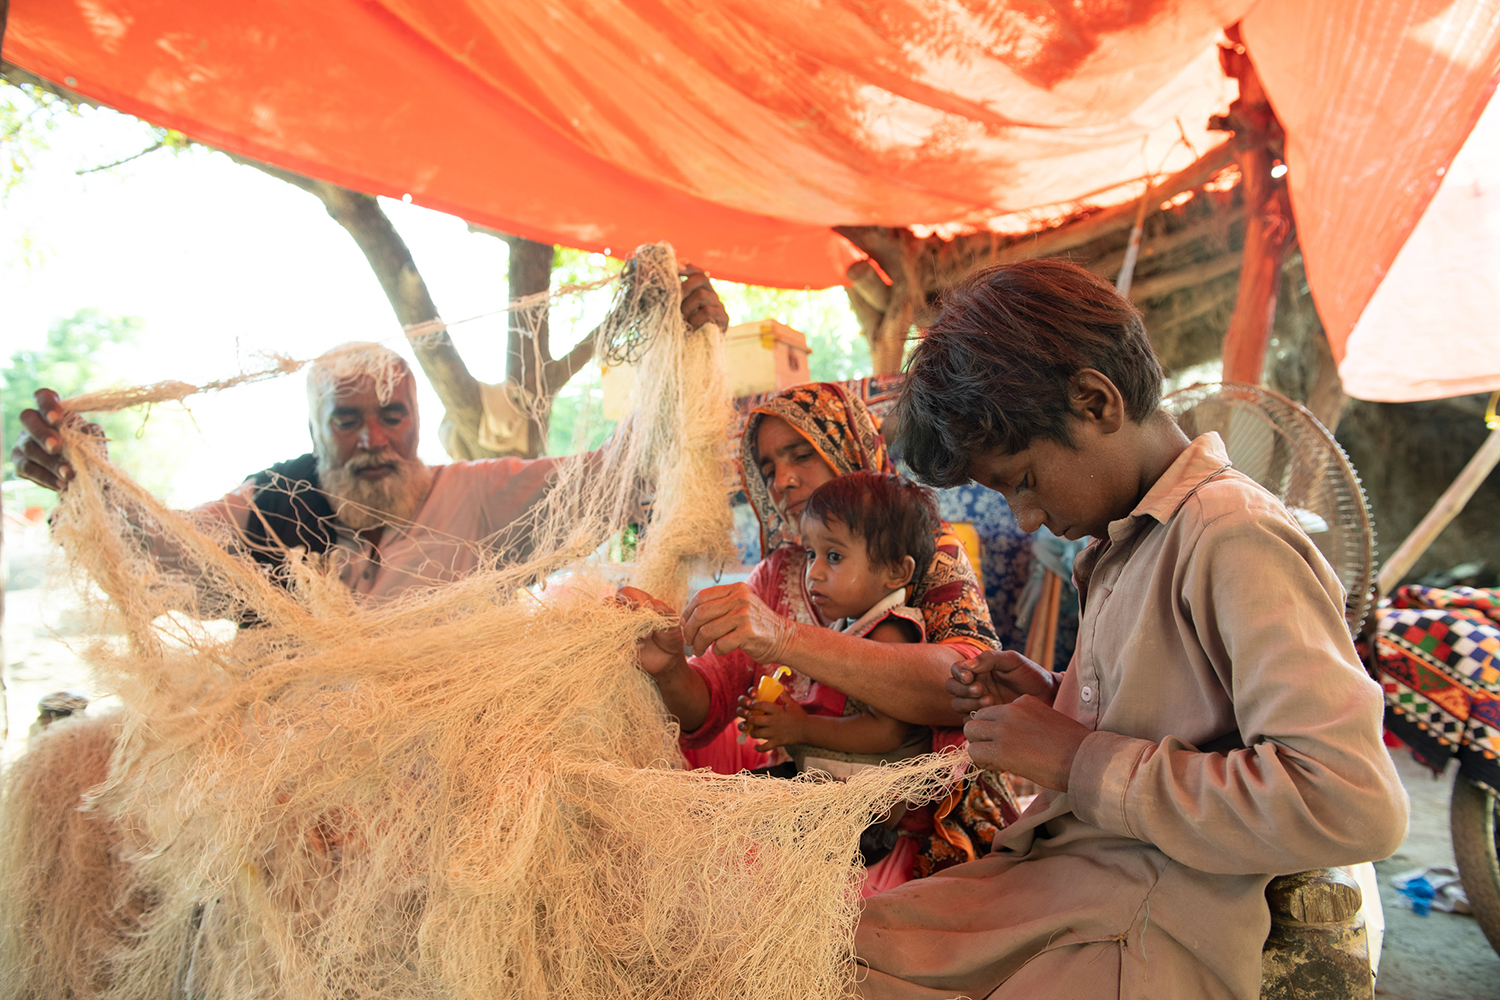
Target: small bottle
<point>768,690</point>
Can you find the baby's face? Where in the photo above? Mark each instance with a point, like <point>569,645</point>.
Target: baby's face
<point>841,580</point>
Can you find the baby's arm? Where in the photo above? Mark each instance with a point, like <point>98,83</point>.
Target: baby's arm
<point>869,731</point>
<point>865,732</point>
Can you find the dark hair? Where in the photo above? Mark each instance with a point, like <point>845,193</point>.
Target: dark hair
<point>994,371</point>
<point>894,517</point>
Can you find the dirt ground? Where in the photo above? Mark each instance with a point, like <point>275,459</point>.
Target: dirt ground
<point>1440,956</point>
<point>1436,957</point>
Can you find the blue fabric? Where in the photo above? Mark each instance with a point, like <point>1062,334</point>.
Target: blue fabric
<point>1005,561</point>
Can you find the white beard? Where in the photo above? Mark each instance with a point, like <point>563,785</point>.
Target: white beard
<point>361,504</point>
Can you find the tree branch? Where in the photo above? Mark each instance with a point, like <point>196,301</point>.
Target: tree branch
<point>134,156</point>
<point>555,374</point>
<point>396,270</point>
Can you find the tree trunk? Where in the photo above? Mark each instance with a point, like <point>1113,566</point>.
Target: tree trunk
<point>886,312</point>
<point>461,393</point>
<point>529,362</point>
<point>396,270</point>
<point>528,345</point>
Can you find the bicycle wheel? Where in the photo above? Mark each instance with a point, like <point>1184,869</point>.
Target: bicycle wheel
<point>1476,846</point>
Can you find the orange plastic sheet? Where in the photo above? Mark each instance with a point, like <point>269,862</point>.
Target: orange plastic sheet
<point>741,130</point>
<point>1376,96</point>
<point>1430,329</point>
<point>738,129</point>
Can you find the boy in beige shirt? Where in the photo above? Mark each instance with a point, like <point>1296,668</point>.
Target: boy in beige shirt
<point>1214,728</point>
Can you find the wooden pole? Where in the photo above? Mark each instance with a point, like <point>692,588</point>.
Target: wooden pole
<point>1444,511</point>
<point>1133,247</point>
<point>1266,239</point>
<point>4,693</point>
<point>1268,228</point>
<point>1041,639</point>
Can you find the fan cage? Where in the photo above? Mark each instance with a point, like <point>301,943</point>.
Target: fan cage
<point>1283,447</point>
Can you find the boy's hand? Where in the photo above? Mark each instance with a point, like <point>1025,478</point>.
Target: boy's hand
<point>777,724</point>
<point>1028,737</point>
<point>998,677</point>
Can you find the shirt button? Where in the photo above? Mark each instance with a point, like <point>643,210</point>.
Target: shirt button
<point>1087,693</point>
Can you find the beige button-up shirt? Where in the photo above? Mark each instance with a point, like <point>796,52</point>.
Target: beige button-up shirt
<point>1236,737</point>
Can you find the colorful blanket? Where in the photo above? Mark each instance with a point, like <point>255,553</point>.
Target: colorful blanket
<point>1438,653</point>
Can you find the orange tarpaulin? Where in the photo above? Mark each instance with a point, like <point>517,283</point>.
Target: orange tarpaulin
<point>1376,97</point>
<point>742,129</point>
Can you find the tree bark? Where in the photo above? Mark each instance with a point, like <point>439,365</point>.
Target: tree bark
<point>528,349</point>
<point>895,250</point>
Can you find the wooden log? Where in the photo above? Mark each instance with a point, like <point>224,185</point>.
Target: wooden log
<point>1133,247</point>
<point>1214,227</point>
<point>1266,238</point>
<point>1063,238</point>
<point>1161,285</point>
<point>1444,511</point>
<point>950,259</point>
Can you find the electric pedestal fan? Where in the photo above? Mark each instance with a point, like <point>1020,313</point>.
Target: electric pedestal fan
<point>1284,448</point>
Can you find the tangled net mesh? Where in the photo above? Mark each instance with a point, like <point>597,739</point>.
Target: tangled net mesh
<point>471,791</point>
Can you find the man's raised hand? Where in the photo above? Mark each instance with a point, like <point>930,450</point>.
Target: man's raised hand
<point>39,455</point>
<point>700,303</point>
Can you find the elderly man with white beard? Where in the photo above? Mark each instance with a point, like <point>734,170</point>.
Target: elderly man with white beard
<point>361,498</point>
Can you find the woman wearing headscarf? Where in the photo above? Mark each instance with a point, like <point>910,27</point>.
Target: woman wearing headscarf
<point>793,443</point>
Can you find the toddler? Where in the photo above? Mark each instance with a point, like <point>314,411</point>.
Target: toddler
<point>865,535</point>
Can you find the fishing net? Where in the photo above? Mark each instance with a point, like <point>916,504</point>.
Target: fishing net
<point>469,791</point>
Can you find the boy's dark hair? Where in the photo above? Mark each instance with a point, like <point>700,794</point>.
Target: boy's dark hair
<point>893,516</point>
<point>994,371</point>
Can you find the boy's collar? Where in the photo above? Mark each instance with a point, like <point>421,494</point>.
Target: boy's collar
<point>1202,460</point>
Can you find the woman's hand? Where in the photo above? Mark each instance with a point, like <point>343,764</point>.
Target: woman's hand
<point>776,724</point>
<point>734,617</point>
<point>998,677</point>
<point>661,652</point>
<point>1028,737</point>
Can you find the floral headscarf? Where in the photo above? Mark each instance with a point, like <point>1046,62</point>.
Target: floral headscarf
<point>839,427</point>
